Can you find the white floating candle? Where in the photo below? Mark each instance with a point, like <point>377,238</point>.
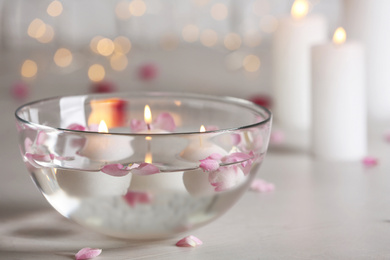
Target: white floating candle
<point>291,65</point>
<point>339,107</point>
<point>167,181</point>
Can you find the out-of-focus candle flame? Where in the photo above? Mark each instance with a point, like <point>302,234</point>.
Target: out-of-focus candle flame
<point>147,115</point>
<point>102,127</point>
<point>148,157</point>
<point>299,9</point>
<point>339,36</point>
<point>202,129</point>
<point>29,69</point>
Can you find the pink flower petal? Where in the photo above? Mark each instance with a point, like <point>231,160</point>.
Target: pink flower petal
<point>209,165</point>
<point>138,125</point>
<point>277,137</point>
<point>77,127</point>
<point>211,128</point>
<point>20,90</point>
<point>215,156</point>
<point>88,253</point>
<point>137,197</point>
<point>225,178</point>
<point>189,241</point>
<point>93,128</point>
<point>145,169</point>
<point>148,72</point>
<point>259,185</point>
<point>370,161</point>
<point>28,145</point>
<point>115,169</point>
<point>236,157</point>
<point>41,138</point>
<point>165,121</point>
<point>236,139</point>
<point>103,87</point>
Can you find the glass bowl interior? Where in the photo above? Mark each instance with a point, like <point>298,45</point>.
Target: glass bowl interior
<point>118,178</point>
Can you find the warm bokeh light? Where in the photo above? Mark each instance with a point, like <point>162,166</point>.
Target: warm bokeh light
<point>29,69</point>
<point>118,62</point>
<point>202,129</point>
<point>96,72</point>
<point>252,38</point>
<point>122,10</point>
<point>55,8</point>
<point>219,11</point>
<point>261,7</point>
<point>111,111</point>
<point>102,128</point>
<point>190,33</point>
<point>232,41</point>
<point>36,28</point>
<point>299,9</point>
<point>122,45</point>
<point>234,60</point>
<point>251,63</point>
<point>105,47</point>
<point>63,57</point>
<point>94,42</point>
<point>209,38</point>
<point>147,115</point>
<point>169,41</point>
<point>339,36</point>
<point>48,35</point>
<point>268,24</point>
<point>148,157</point>
<point>137,7</point>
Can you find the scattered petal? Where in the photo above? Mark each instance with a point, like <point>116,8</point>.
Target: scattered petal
<point>236,157</point>
<point>370,161</point>
<point>259,185</point>
<point>115,169</point>
<point>41,138</point>
<point>209,165</point>
<point>28,145</point>
<point>103,87</point>
<point>165,121</point>
<point>261,100</point>
<point>20,90</point>
<point>145,169</point>
<point>77,127</point>
<point>236,139</point>
<point>189,241</point>
<point>88,253</point>
<point>277,137</point>
<point>148,71</point>
<point>137,197</point>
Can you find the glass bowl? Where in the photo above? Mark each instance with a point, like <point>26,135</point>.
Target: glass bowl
<point>142,165</point>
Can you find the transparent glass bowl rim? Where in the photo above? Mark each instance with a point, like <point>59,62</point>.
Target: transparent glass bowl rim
<point>227,99</point>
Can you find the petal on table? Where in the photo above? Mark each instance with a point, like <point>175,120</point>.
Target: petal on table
<point>370,161</point>
<point>88,253</point>
<point>260,185</point>
<point>189,241</point>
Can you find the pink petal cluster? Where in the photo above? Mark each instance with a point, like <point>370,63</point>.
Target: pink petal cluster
<point>212,163</point>
<point>137,197</point>
<point>87,253</point>
<point>119,170</point>
<point>189,241</point>
<point>164,121</point>
<point>369,161</point>
<point>225,178</point>
<point>259,185</point>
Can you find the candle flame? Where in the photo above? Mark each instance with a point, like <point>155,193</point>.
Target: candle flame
<point>339,36</point>
<point>148,157</point>
<point>147,115</point>
<point>299,9</point>
<point>202,129</point>
<point>102,127</point>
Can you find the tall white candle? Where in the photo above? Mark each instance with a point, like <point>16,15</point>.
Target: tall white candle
<point>291,65</point>
<point>339,107</point>
<point>368,22</point>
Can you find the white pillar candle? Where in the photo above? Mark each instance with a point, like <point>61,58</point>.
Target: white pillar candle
<point>291,65</point>
<point>368,22</point>
<point>339,107</point>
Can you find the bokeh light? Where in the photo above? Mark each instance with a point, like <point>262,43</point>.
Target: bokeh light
<point>63,57</point>
<point>55,8</point>
<point>190,33</point>
<point>122,10</point>
<point>232,41</point>
<point>96,72</point>
<point>251,63</point>
<point>209,37</point>
<point>118,62</point>
<point>122,45</point>
<point>36,28</point>
<point>137,7</point>
<point>29,69</point>
<point>219,11</point>
<point>105,47</point>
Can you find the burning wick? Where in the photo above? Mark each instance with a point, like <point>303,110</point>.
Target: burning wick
<point>147,116</point>
<point>201,130</point>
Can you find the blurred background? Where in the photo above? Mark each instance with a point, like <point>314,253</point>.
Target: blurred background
<point>54,48</point>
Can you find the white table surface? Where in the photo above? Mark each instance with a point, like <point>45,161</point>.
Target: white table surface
<point>319,210</point>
